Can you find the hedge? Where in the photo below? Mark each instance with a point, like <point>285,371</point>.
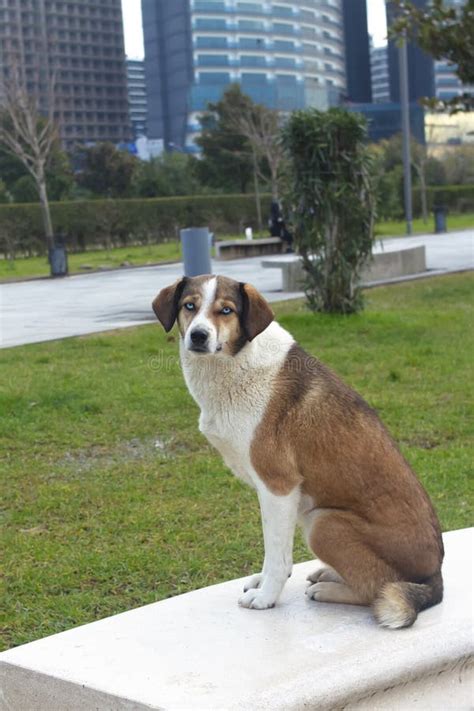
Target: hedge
<point>456,198</point>
<point>90,224</point>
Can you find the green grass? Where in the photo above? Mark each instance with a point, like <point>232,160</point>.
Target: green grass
<point>23,268</point>
<point>27,267</point>
<point>111,497</point>
<point>393,228</point>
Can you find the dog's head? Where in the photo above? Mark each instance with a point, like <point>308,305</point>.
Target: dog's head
<point>214,314</point>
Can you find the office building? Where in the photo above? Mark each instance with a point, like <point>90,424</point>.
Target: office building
<point>421,82</point>
<point>137,96</point>
<point>356,40</point>
<point>447,83</point>
<point>284,55</point>
<point>380,74</point>
<point>80,42</point>
<point>384,120</point>
<point>445,131</point>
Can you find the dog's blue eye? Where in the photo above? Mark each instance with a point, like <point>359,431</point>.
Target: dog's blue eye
<point>226,310</point>
<point>189,306</point>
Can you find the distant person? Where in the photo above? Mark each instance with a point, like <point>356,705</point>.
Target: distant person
<point>278,227</point>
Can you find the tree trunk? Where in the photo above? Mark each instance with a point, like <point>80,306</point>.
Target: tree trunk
<point>257,192</point>
<point>424,199</point>
<point>420,169</point>
<point>274,178</point>
<point>43,196</point>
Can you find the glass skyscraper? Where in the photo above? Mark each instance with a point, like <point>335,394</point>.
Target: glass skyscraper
<point>137,96</point>
<point>284,55</point>
<point>447,83</point>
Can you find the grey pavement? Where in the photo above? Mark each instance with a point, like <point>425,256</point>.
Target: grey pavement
<point>44,310</point>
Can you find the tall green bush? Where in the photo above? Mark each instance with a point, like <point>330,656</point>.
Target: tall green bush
<point>333,204</point>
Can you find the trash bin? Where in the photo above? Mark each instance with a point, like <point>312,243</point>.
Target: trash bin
<point>196,243</point>
<point>440,213</point>
<point>58,257</point>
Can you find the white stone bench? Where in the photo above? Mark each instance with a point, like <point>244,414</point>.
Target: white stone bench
<point>237,248</point>
<point>201,651</point>
<point>386,264</point>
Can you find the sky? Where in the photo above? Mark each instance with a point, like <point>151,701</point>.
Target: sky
<point>132,20</point>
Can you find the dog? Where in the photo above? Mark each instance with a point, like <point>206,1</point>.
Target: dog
<point>313,450</point>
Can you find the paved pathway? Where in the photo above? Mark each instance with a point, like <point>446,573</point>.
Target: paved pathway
<point>44,310</point>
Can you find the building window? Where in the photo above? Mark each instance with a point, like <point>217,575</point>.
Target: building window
<point>211,42</point>
<point>285,62</point>
<point>282,10</point>
<point>251,43</point>
<point>209,6</point>
<point>284,45</point>
<point>254,78</point>
<point>283,28</point>
<point>244,7</point>
<point>214,78</point>
<point>212,60</point>
<point>248,60</point>
<point>249,25</point>
<point>210,24</point>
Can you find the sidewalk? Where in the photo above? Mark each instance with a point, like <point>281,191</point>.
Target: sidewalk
<point>44,310</point>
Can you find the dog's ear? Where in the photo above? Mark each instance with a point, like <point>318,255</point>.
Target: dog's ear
<point>165,305</point>
<point>256,312</point>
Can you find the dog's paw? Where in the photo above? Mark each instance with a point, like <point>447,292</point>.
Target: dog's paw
<point>256,600</point>
<point>254,582</point>
<point>333,592</point>
<point>318,591</point>
<point>324,575</point>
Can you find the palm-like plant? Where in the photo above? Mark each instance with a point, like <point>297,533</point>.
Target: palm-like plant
<point>333,204</point>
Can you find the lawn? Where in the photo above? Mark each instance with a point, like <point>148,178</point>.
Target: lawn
<point>392,228</point>
<point>24,268</point>
<point>111,497</point>
<point>28,267</point>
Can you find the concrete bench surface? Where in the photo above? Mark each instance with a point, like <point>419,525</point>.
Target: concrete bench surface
<point>235,248</point>
<point>388,263</point>
<point>201,651</point>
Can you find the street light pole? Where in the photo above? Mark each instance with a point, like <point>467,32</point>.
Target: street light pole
<point>405,108</point>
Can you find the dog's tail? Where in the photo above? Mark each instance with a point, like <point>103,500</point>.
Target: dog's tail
<point>398,604</point>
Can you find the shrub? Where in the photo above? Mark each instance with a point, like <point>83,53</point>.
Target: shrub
<point>456,198</point>
<point>334,203</point>
<point>90,224</point>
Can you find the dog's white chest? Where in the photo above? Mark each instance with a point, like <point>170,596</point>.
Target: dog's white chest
<point>233,395</point>
<point>232,437</point>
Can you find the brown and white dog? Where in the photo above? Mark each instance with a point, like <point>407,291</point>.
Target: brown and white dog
<point>313,449</point>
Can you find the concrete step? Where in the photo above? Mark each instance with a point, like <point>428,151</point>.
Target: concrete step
<point>201,651</point>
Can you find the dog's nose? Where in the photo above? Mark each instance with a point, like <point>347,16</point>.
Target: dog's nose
<point>199,337</point>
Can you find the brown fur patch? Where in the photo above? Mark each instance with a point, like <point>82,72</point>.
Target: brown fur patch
<point>380,526</point>
<point>229,293</point>
<point>166,304</point>
<point>256,312</point>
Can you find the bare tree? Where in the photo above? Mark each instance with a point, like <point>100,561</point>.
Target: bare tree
<point>419,159</point>
<point>261,126</point>
<point>29,134</point>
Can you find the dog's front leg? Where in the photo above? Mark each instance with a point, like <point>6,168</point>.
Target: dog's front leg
<point>279,515</point>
